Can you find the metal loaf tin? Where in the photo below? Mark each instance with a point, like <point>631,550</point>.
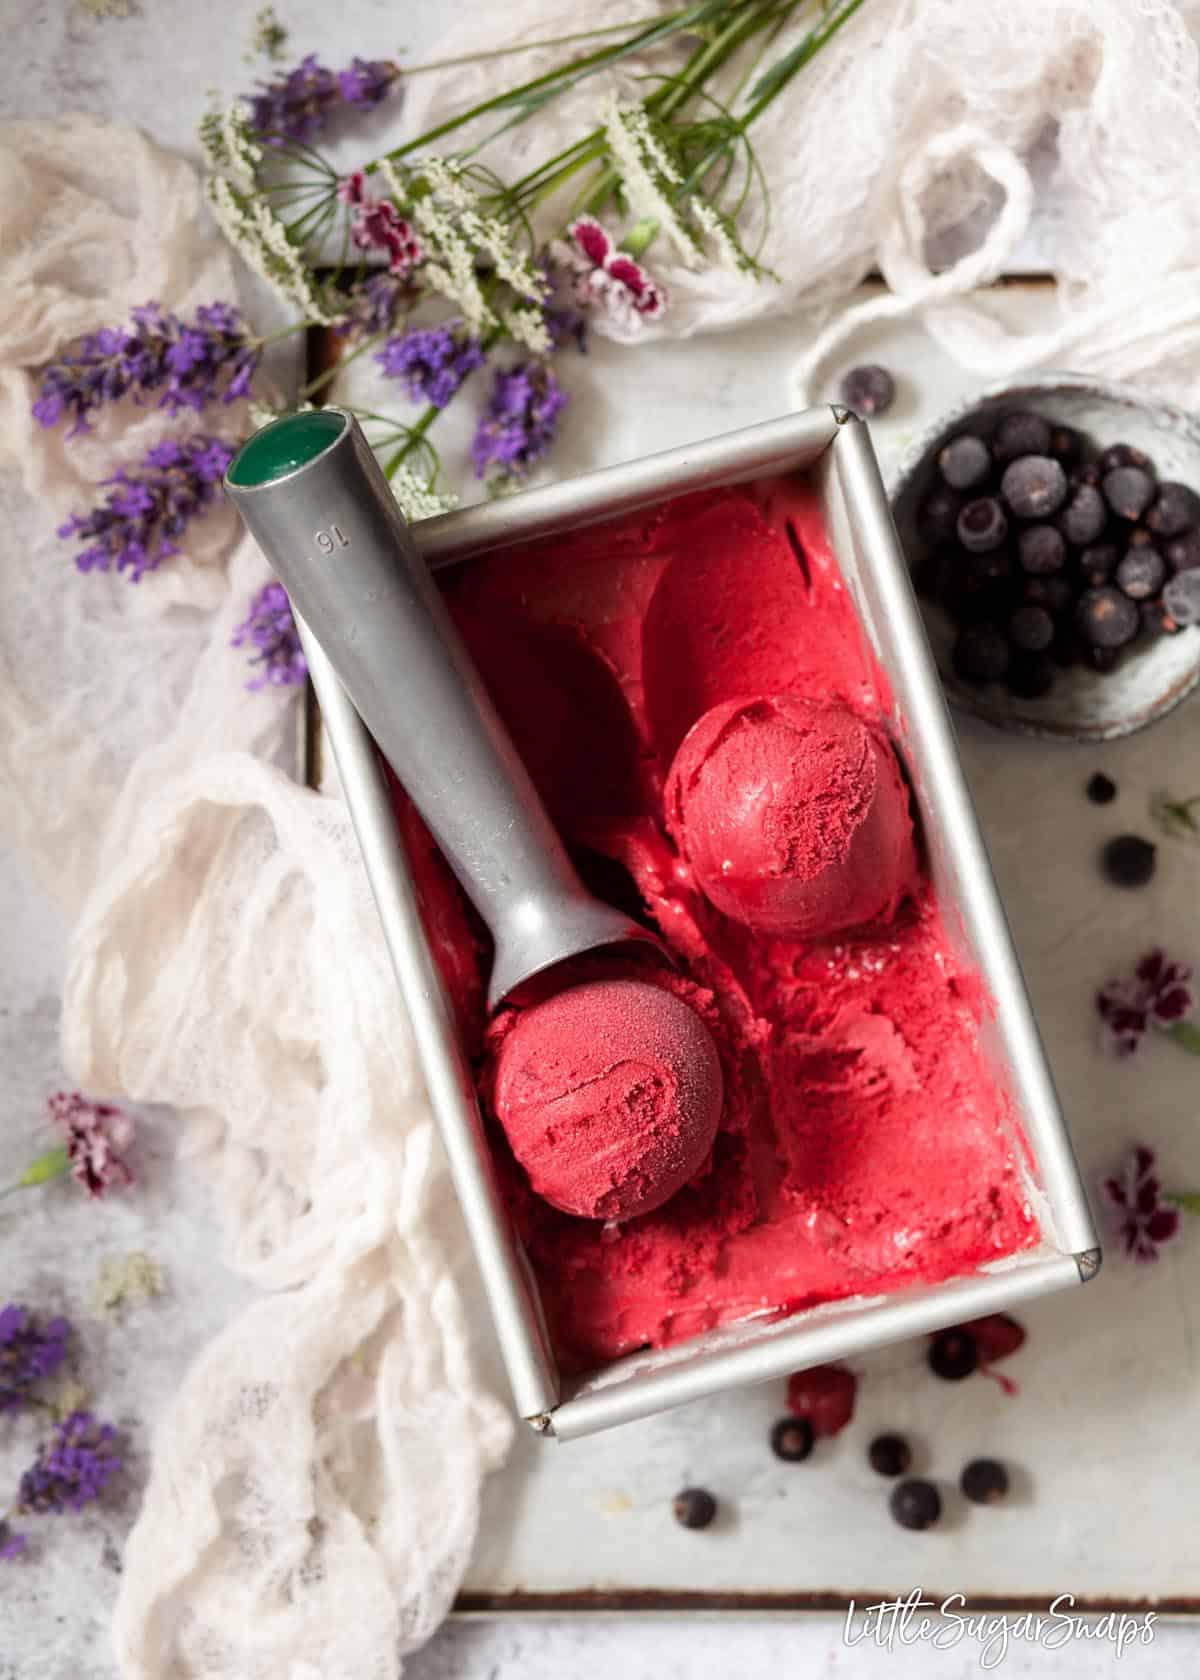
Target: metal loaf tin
<point>835,451</point>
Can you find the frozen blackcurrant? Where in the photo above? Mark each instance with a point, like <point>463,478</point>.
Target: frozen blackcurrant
<point>868,390</point>
<point>1106,618</point>
<point>1083,519</point>
<point>1102,659</point>
<point>890,1455</point>
<point>694,1507</point>
<point>915,1504</point>
<point>1128,860</point>
<point>1176,509</point>
<point>1021,434</point>
<point>1088,472</point>
<point>1182,554</point>
<point>1181,597</point>
<point>1098,563</point>
<point>984,1481</point>
<point>965,462</point>
<point>953,1354</point>
<point>1128,492</point>
<point>982,525</point>
<point>1141,573</point>
<point>981,653</point>
<point>1030,629</point>
<point>1030,675</point>
<point>1066,649</point>
<point>1056,593</point>
<point>1124,455</point>
<point>1041,549</point>
<point>792,1439</point>
<point>938,517</point>
<point>1066,445</point>
<point>1034,486</point>
<point>1101,789</point>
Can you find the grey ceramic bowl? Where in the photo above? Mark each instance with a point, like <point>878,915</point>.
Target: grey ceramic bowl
<point>1152,676</point>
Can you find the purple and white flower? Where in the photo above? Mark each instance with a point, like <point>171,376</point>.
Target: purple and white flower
<point>1145,1219</point>
<point>96,1135</point>
<point>1157,994</point>
<point>605,278</point>
<point>376,225</point>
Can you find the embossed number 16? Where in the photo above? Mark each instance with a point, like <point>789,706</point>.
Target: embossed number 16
<point>327,541</point>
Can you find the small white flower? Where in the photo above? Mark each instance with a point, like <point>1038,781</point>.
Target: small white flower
<point>261,239</point>
<point>528,327</point>
<point>647,174</point>
<point>417,497</point>
<point>228,144</point>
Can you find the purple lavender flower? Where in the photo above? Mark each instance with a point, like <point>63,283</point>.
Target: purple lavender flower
<point>72,1469</point>
<point>431,362</point>
<point>298,106</point>
<point>191,363</point>
<point>12,1544</point>
<point>29,1353</point>
<point>371,306</point>
<point>95,1135</point>
<point>135,529</point>
<point>271,630</point>
<point>520,423</point>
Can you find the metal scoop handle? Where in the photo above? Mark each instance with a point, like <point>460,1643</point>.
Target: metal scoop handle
<point>330,527</point>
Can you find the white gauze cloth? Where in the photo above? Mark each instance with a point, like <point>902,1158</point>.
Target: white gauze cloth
<point>315,1486</point>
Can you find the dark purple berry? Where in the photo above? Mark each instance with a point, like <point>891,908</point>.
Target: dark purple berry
<point>981,654</point>
<point>1056,593</point>
<point>1041,549</point>
<point>1098,563</point>
<point>1030,629</point>
<point>1066,445</point>
<point>1083,519</point>
<point>694,1508</point>
<point>984,1481</point>
<point>1087,473</point>
<point>1176,510</point>
<point>1139,537</point>
<point>953,1355</point>
<point>868,390</point>
<point>1101,789</point>
<point>976,586</point>
<point>1128,492</point>
<point>1124,455</point>
<point>982,525</point>
<point>1030,675</point>
<point>889,1454</point>
<point>1066,649</point>
<point>915,1504</point>
<point>1102,659</point>
<point>1182,554</point>
<point>965,462</point>
<point>1142,573</point>
<point>1128,860</point>
<point>1181,598</point>
<point>792,1439</point>
<point>1034,486</point>
<point>1021,434</point>
<point>1106,618</point>
<point>1157,620</point>
<point>938,518</point>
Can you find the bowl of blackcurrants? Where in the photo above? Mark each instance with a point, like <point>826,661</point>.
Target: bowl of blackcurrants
<point>1053,531</point>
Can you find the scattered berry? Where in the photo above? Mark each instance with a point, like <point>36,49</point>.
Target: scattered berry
<point>890,1455</point>
<point>1176,509</point>
<point>1128,492</point>
<point>981,654</point>
<point>1030,675</point>
<point>1142,573</point>
<point>915,1504</point>
<point>1021,434</point>
<point>1030,629</point>
<point>995,1335</point>
<point>694,1508</point>
<point>1128,860</point>
<point>1122,455</point>
<point>792,1439</point>
<point>939,514</point>
<point>953,1354</point>
<point>965,462</point>
<point>868,390</point>
<point>1041,549</point>
<point>1106,618</point>
<point>982,525</point>
<point>824,1396</point>
<point>984,1481</point>
<point>1034,486</point>
<point>1101,789</point>
<point>1083,519</point>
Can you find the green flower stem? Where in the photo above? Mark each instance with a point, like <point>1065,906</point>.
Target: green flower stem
<point>53,1164</point>
<point>1187,1035</point>
<point>524,47</point>
<point>343,362</point>
<point>1188,1200</point>
<point>416,434</point>
<point>710,56</point>
<point>799,57</point>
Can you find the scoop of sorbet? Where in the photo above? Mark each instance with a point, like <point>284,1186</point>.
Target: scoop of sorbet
<point>610,1094</point>
<point>793,816</point>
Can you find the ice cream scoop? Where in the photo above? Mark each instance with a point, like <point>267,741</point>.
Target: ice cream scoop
<point>610,1093</point>
<point>793,816</point>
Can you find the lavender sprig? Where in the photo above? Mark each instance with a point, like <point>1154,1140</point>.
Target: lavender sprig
<point>72,1469</point>
<point>371,306</point>
<point>297,107</point>
<point>30,1351</point>
<point>432,362</point>
<point>192,363</point>
<point>136,527</point>
<point>519,424</point>
<point>12,1544</point>
<point>270,630</point>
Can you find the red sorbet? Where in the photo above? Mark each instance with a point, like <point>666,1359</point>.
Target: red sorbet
<point>863,1145</point>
